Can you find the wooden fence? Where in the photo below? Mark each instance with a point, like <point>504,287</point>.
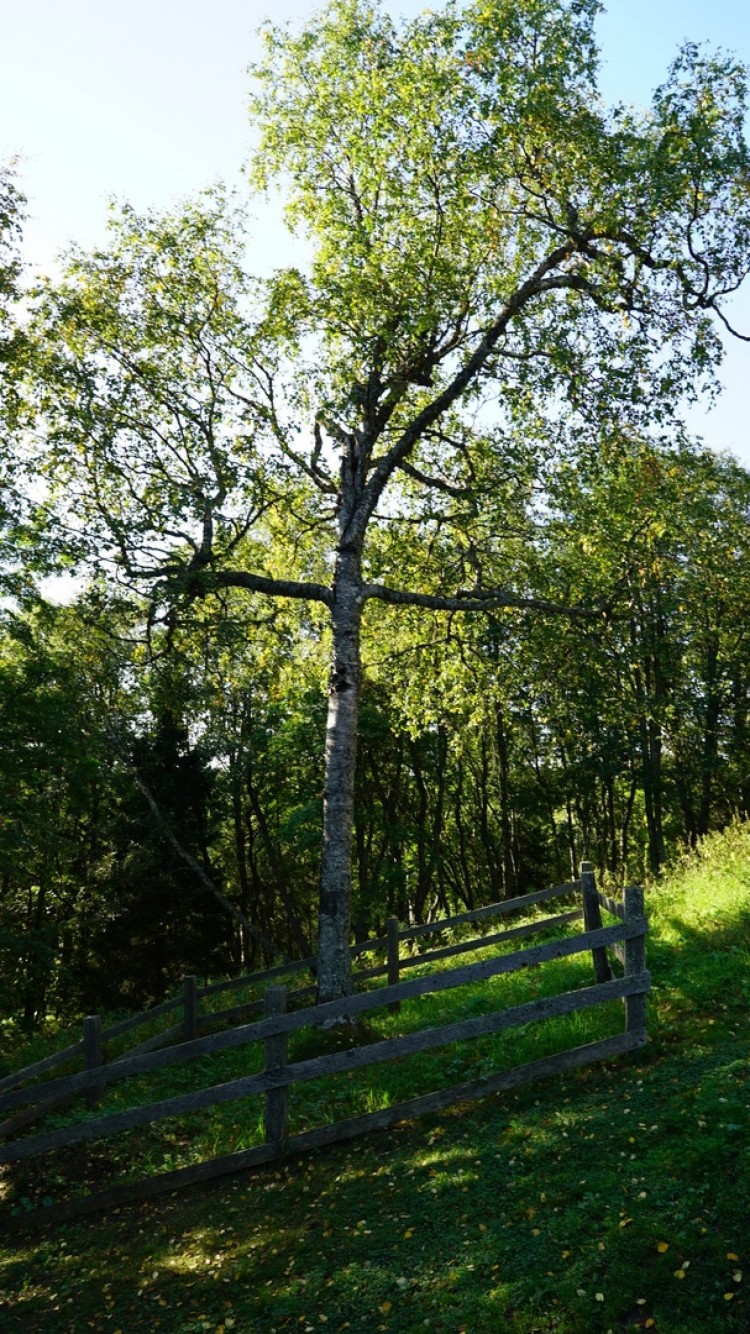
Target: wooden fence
<point>625,939</point>
<point>92,1047</point>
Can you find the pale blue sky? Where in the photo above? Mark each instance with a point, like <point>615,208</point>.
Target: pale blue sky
<point>146,100</point>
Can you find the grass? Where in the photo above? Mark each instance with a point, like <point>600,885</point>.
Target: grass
<point>239,1125</point>
<point>613,1199</point>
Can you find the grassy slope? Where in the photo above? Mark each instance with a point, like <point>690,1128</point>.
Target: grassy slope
<point>614,1199</point>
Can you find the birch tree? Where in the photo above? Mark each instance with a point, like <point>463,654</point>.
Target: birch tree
<point>483,260</point>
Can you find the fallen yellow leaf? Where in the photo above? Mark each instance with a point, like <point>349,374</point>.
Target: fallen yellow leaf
<point>737,1275</point>
<point>731,1256</point>
<point>662,1246</point>
<point>386,1306</point>
<point>679,1273</point>
<point>409,1233</point>
<point>728,1296</point>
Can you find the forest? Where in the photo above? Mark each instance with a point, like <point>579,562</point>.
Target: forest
<point>394,583</point>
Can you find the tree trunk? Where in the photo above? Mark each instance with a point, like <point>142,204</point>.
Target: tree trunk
<point>503,771</point>
<point>240,859</point>
<point>334,961</point>
<point>493,856</point>
<point>278,870</point>
<point>710,748</point>
<point>627,816</point>
<point>465,883</point>
<point>739,739</point>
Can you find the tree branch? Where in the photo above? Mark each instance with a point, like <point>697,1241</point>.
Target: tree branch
<point>744,338</point>
<point>444,400</point>
<point>260,583</point>
<point>476,599</point>
<point>460,492</point>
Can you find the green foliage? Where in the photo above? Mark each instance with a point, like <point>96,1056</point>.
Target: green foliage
<point>50,761</point>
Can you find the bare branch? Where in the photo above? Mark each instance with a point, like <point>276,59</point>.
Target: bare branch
<point>744,338</point>
<point>261,583</point>
<point>476,599</point>
<point>538,281</point>
<point>268,415</point>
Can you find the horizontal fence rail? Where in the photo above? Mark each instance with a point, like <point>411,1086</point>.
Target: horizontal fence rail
<point>626,938</point>
<point>41,1067</point>
<point>612,906</point>
<point>500,909</point>
<point>324,1136</point>
<point>333,1011</point>
<point>252,979</point>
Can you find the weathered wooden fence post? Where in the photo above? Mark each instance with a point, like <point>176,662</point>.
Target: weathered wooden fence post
<point>93,1055</point>
<point>592,919</point>
<point>391,927</point>
<point>189,1007</point>
<point>276,1117</point>
<point>635,961</point>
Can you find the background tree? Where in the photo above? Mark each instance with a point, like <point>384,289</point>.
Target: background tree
<point>12,344</point>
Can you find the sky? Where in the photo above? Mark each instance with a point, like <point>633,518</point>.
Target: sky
<point>146,101</point>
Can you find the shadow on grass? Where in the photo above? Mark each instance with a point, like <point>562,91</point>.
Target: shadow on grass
<point>539,1212</point>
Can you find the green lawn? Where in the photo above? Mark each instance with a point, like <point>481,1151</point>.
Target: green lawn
<point>609,1200</point>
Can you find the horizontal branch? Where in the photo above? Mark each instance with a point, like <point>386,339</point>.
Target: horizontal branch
<point>483,599</point>
<point>261,583</point>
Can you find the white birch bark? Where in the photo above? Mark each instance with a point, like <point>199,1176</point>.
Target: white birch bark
<point>334,961</point>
